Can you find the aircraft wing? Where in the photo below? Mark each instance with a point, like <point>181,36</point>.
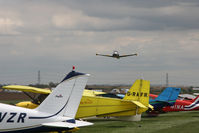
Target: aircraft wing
<point>27,89</point>
<point>45,91</point>
<point>128,55</point>
<point>91,93</point>
<point>67,124</point>
<point>104,55</point>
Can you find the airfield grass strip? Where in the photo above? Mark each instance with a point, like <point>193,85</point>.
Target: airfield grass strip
<point>174,122</point>
<point>191,127</point>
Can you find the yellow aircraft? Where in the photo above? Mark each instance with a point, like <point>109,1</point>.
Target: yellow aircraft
<point>135,102</point>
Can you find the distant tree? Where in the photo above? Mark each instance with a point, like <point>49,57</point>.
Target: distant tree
<point>190,90</point>
<point>52,85</point>
<point>39,85</point>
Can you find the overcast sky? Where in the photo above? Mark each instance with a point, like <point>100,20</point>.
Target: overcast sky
<point>52,36</point>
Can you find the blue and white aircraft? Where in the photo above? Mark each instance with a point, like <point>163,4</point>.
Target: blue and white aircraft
<point>167,98</point>
<point>55,113</point>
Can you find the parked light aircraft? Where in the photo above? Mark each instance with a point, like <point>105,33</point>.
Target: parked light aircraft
<point>135,102</point>
<point>55,113</point>
<point>116,55</point>
<point>166,98</point>
<point>183,105</point>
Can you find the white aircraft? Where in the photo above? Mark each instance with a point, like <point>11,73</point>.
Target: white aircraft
<point>116,55</point>
<point>55,113</point>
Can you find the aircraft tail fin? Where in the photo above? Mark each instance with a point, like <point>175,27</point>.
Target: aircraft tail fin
<point>169,94</point>
<point>194,104</point>
<point>65,98</point>
<point>139,94</point>
<point>195,99</point>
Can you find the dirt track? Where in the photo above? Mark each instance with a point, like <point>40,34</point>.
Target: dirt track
<point>12,96</point>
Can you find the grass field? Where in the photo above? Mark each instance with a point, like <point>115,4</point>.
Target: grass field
<point>173,122</point>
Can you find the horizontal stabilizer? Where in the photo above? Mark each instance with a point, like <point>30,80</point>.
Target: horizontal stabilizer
<point>139,104</point>
<point>150,106</point>
<point>67,124</point>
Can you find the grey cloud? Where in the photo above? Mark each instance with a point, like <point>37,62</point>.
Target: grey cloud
<point>164,33</point>
<point>115,15</point>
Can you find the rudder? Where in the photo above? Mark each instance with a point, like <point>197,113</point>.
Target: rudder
<point>65,98</point>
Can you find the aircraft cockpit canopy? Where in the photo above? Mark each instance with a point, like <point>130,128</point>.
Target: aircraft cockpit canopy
<point>115,52</point>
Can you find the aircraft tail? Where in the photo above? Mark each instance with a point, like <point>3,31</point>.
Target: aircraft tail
<point>65,98</point>
<point>194,104</point>
<point>139,94</point>
<point>169,94</point>
<point>193,100</point>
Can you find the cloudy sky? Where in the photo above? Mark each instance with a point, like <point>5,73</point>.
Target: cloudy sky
<point>52,36</point>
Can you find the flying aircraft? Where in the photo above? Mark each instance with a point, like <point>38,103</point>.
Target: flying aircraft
<point>116,55</point>
<point>55,113</point>
<point>135,102</point>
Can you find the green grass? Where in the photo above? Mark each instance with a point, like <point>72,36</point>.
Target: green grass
<point>174,122</point>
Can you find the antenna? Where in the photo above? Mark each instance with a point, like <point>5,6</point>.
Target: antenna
<point>73,68</point>
<point>167,80</point>
<point>39,78</point>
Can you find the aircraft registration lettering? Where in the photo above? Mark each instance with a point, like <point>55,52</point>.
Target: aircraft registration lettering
<point>12,115</point>
<point>177,107</point>
<point>10,119</point>
<point>137,94</point>
<point>2,116</point>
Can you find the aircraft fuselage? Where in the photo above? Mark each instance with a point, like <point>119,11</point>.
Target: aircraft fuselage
<point>14,118</point>
<point>116,56</point>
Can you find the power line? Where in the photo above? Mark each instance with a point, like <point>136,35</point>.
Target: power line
<point>39,77</point>
<point>167,80</point>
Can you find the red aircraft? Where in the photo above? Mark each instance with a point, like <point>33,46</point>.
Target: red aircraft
<point>181,105</point>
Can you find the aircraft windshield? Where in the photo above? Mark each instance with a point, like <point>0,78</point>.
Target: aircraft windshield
<point>115,52</point>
